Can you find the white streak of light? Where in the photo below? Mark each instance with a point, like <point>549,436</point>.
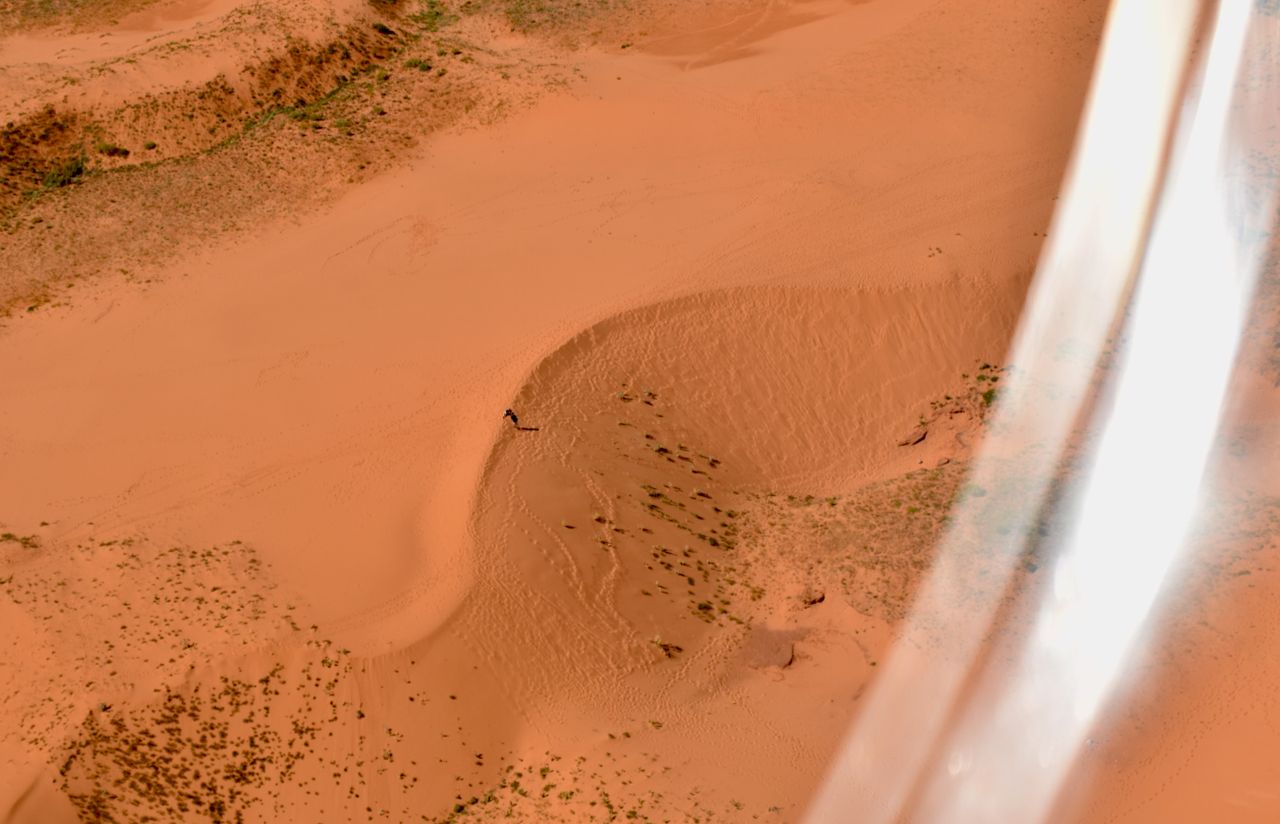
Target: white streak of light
<point>1019,738</point>
<point>1095,242</point>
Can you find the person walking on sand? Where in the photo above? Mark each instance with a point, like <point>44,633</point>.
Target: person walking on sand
<point>515,421</point>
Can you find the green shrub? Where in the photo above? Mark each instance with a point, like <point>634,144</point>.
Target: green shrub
<point>66,173</point>
<point>112,150</point>
<point>434,17</point>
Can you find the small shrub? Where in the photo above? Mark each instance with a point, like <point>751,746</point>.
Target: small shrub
<point>434,17</point>
<point>384,29</point>
<point>66,173</point>
<point>112,150</point>
<point>668,649</point>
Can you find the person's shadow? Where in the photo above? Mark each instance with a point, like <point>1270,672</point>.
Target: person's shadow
<point>528,428</point>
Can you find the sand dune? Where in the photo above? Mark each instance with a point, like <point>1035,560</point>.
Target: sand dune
<point>271,553</point>
<point>676,509</point>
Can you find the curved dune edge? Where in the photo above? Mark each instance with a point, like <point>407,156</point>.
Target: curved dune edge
<point>669,557</point>
<point>552,660</point>
<point>803,383</point>
<point>784,379</point>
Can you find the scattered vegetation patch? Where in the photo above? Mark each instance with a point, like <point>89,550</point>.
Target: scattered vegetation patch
<point>25,541</point>
<point>434,16</point>
<point>111,149</point>
<point>668,649</point>
<point>65,173</point>
<point>976,397</point>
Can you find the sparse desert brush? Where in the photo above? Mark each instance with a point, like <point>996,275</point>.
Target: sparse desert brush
<point>434,16</point>
<point>111,149</point>
<point>668,649</point>
<point>65,173</point>
<point>27,541</point>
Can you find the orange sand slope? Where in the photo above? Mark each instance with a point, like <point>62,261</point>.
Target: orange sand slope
<point>271,554</point>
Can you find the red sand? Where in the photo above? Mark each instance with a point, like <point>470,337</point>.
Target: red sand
<point>270,494</point>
